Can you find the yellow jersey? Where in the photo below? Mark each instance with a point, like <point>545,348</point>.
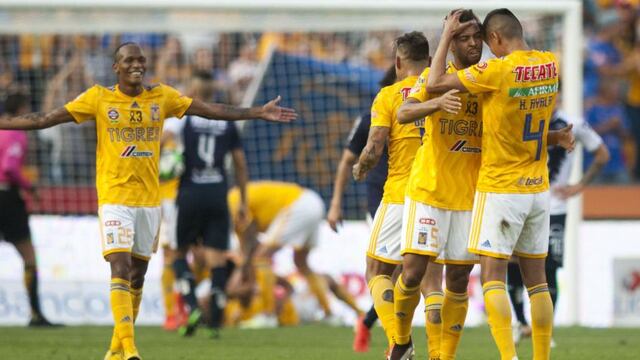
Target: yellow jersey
<point>518,95</point>
<point>404,140</point>
<point>128,139</point>
<point>445,170</point>
<point>265,200</point>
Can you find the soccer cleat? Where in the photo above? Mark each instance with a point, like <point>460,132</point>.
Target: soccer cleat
<point>41,321</point>
<point>213,333</point>
<point>171,323</point>
<point>113,355</point>
<point>402,352</point>
<point>362,336</point>
<point>260,321</point>
<point>132,355</point>
<point>192,323</point>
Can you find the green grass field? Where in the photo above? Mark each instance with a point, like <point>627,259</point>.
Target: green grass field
<point>305,342</point>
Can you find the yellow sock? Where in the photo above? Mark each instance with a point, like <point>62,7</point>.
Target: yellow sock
<point>167,280</point>
<point>266,281</point>
<point>541,321</point>
<point>342,294</point>
<point>454,313</point>
<point>405,301</point>
<point>122,309</point>
<point>319,289</point>
<point>288,315</point>
<point>499,317</point>
<point>136,299</point>
<point>433,306</point>
<point>381,288</point>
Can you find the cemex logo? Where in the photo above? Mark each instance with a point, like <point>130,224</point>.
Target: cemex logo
<point>130,151</point>
<point>459,146</point>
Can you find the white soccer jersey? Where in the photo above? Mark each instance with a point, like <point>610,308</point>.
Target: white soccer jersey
<point>560,162</point>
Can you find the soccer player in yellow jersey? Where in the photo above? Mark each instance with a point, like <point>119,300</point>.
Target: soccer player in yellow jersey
<point>383,255</point>
<point>438,203</point>
<point>511,207</point>
<point>129,118</point>
<point>287,215</point>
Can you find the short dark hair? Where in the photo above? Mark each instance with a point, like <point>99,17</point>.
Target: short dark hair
<point>468,15</point>
<point>14,102</point>
<point>116,52</point>
<point>203,75</point>
<point>389,77</point>
<point>413,46</point>
<point>504,22</point>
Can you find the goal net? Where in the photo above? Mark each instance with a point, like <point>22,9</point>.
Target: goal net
<point>325,58</point>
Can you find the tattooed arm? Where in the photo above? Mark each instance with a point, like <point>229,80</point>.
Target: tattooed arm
<point>35,121</point>
<point>372,151</point>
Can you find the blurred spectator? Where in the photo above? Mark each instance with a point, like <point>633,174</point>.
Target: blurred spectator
<point>607,117</point>
<point>602,55</point>
<point>241,71</point>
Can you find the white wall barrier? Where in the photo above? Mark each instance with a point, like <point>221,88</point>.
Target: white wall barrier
<point>75,289</point>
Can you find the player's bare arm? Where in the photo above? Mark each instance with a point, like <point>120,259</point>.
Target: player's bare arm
<point>334,215</point>
<point>563,137</point>
<point>270,111</point>
<point>372,152</point>
<point>242,178</point>
<point>411,109</point>
<point>439,81</point>
<point>37,120</point>
<point>601,157</point>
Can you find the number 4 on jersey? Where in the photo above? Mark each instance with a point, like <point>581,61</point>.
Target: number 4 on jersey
<point>528,135</point>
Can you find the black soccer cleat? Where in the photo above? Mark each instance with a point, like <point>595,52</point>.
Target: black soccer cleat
<point>402,352</point>
<point>192,323</point>
<point>40,321</point>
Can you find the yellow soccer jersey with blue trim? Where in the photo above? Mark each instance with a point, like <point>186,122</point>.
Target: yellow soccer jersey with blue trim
<point>518,94</point>
<point>128,139</point>
<point>265,200</point>
<point>404,140</point>
<point>445,171</point>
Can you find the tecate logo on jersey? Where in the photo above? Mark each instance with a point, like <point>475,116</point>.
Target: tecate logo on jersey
<point>529,181</point>
<point>130,151</point>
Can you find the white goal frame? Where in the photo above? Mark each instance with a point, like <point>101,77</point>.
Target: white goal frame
<point>98,16</point>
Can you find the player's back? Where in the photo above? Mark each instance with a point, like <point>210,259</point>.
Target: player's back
<point>519,95</point>
<point>404,139</point>
<point>266,199</point>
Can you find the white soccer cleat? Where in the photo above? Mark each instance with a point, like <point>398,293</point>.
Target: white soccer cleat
<point>260,321</point>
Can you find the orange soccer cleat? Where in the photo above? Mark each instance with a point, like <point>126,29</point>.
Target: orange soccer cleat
<point>362,336</point>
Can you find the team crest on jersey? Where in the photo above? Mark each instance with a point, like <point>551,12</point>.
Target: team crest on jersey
<point>155,112</point>
<point>110,238</point>
<point>482,65</point>
<point>422,238</point>
<point>113,115</point>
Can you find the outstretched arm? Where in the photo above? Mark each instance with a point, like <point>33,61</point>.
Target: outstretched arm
<point>371,153</point>
<point>35,121</point>
<point>270,111</point>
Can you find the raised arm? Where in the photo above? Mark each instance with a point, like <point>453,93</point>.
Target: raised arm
<point>439,81</point>
<point>411,109</point>
<point>270,111</point>
<point>334,215</point>
<point>37,120</point>
<point>372,152</point>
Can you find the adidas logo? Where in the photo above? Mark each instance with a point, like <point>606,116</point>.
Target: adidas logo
<point>135,105</point>
<point>384,250</point>
<point>456,327</point>
<point>126,319</point>
<point>486,244</point>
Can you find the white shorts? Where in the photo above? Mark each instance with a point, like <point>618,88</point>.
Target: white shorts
<point>441,233</point>
<point>168,233</point>
<point>384,243</point>
<point>298,224</point>
<point>129,229</point>
<point>506,224</point>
